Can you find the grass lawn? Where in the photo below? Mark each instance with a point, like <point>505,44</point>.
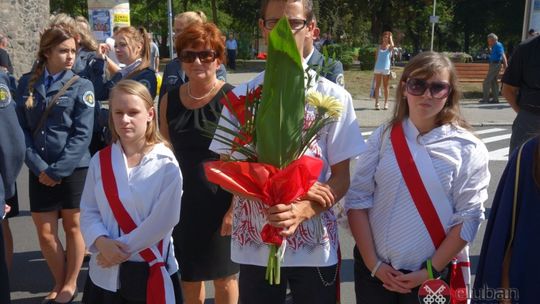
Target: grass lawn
<point>358,83</point>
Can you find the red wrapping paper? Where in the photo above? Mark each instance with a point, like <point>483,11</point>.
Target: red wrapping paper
<point>266,183</point>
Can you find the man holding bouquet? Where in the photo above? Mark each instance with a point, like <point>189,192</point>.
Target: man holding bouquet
<point>309,227</point>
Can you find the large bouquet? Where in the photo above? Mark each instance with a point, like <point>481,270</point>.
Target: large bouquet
<point>270,136</point>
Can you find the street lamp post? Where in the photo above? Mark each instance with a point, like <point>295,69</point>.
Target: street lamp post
<point>433,24</point>
<point>169,15</point>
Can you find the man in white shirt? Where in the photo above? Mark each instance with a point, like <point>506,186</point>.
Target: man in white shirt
<point>232,50</point>
<point>309,266</point>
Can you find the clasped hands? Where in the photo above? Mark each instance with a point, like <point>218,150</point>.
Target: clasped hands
<point>290,216</point>
<point>111,252</point>
<point>46,180</point>
<point>396,281</point>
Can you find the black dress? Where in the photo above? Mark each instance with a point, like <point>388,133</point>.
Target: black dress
<point>202,253</point>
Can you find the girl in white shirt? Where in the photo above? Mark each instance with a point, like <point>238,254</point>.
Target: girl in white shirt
<point>149,185</point>
<point>392,240</point>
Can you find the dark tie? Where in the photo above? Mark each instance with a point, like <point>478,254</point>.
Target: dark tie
<point>48,83</point>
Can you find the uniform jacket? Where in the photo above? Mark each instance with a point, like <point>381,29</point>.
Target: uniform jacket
<point>61,144</point>
<point>174,76</point>
<point>103,86</point>
<point>335,72</point>
<point>11,142</point>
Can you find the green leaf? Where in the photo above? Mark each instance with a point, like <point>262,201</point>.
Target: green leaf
<point>280,114</point>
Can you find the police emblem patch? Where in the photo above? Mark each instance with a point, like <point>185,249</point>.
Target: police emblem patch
<point>5,96</point>
<point>146,83</point>
<point>89,99</point>
<point>340,79</point>
<point>171,80</point>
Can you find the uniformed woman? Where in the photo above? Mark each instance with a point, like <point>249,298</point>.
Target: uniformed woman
<point>132,48</point>
<point>56,112</point>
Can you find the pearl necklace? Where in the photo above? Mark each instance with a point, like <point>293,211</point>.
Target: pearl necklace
<point>202,97</point>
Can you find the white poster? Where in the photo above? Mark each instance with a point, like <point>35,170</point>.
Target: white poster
<point>104,15</point>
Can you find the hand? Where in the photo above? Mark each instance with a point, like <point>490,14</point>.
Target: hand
<point>388,275</point>
<point>46,180</point>
<point>321,194</point>
<point>289,216</point>
<point>103,50</point>
<point>413,279</point>
<point>114,252</point>
<point>226,224</point>
<point>7,208</point>
<point>103,262</point>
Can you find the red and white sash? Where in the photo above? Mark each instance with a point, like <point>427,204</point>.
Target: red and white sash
<point>159,285</point>
<point>425,188</point>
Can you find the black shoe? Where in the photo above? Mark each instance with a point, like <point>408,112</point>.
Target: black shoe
<point>70,300</point>
<point>482,101</point>
<point>493,101</point>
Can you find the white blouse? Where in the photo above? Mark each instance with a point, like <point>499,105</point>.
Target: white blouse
<point>314,242</point>
<point>151,194</point>
<point>401,239</point>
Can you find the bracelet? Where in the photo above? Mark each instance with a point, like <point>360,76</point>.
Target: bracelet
<point>377,266</point>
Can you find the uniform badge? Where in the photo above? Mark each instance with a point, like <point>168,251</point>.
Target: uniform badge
<point>172,79</point>
<point>5,96</point>
<point>89,99</point>
<point>146,83</point>
<point>340,79</point>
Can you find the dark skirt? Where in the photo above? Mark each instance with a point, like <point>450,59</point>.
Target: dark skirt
<point>96,295</point>
<point>13,202</point>
<point>66,195</point>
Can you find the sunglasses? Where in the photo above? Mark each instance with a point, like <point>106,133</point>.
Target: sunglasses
<point>204,56</point>
<point>438,90</point>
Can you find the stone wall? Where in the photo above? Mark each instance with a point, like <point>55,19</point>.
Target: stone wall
<point>21,21</point>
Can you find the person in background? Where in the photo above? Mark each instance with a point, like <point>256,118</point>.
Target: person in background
<point>532,33</point>
<point>382,71</point>
<point>331,69</point>
<point>11,160</point>
<point>148,182</point>
<point>232,51</point>
<point>173,76</point>
<point>5,61</point>
<point>497,59</point>
<point>57,153</point>
<point>132,48</point>
<point>110,48</point>
<point>202,238</point>
<point>522,91</point>
<point>393,242</point>
<point>310,263</point>
<point>154,53</point>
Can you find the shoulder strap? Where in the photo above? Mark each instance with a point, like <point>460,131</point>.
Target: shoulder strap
<point>505,275</point>
<point>53,102</point>
<point>415,185</point>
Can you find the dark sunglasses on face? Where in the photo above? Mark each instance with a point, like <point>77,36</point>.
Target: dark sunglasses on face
<point>206,56</point>
<point>417,87</point>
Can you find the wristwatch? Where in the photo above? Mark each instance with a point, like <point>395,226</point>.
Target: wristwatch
<point>436,274</point>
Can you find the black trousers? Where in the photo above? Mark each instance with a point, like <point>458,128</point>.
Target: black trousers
<point>370,290</point>
<point>4,278</point>
<point>231,58</point>
<point>306,285</point>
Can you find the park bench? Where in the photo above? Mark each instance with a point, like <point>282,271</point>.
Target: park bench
<point>473,72</point>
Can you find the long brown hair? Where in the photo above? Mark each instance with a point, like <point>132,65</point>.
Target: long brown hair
<point>134,36</point>
<point>424,66</point>
<point>135,88</point>
<point>50,38</point>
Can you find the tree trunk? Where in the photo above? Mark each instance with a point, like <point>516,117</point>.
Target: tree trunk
<point>214,13</point>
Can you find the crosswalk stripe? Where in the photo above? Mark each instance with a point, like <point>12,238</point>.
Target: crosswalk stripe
<point>499,154</point>
<point>487,131</point>
<point>496,138</point>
